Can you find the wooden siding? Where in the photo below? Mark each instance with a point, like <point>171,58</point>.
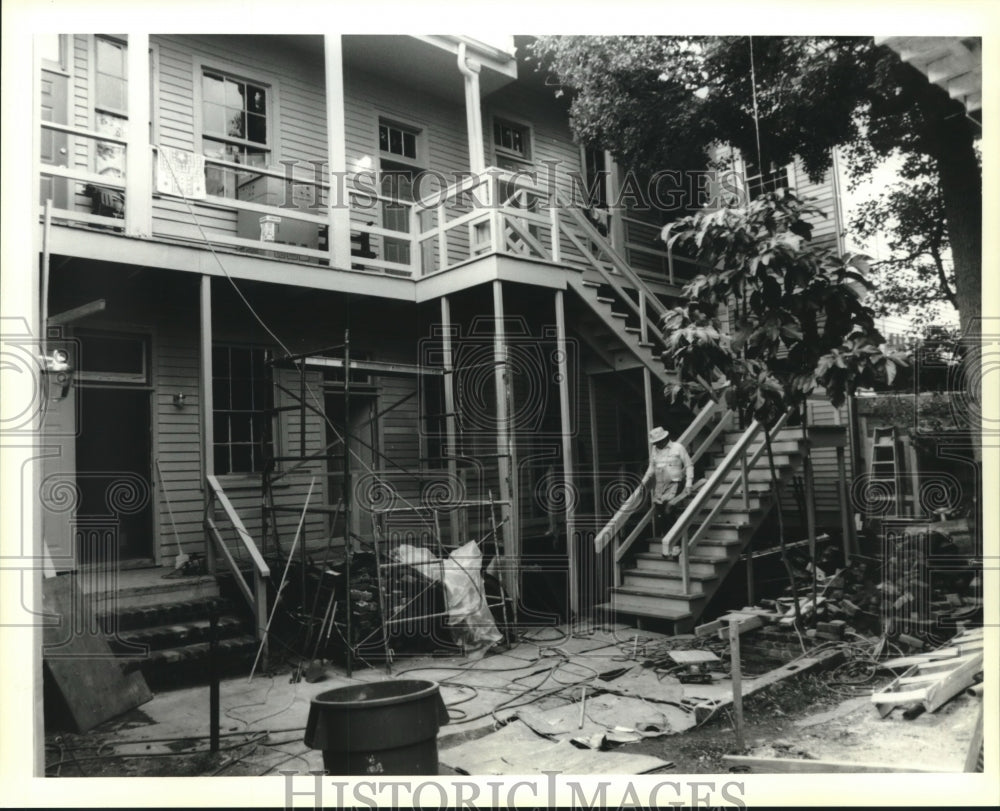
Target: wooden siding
<point>297,111</point>
<point>178,436</point>
<point>825,474</point>
<point>823,195</point>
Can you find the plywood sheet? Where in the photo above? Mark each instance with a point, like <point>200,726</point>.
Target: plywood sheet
<point>515,749</point>
<point>80,661</point>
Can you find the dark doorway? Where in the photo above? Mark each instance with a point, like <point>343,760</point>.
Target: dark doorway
<point>113,474</point>
<point>363,439</point>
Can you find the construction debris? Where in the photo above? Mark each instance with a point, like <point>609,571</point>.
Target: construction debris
<point>516,749</point>
<point>775,765</point>
<point>932,681</point>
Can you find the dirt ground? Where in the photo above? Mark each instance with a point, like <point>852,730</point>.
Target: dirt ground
<point>808,715</point>
<point>804,718</point>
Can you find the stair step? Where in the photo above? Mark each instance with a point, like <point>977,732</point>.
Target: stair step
<point>669,583</point>
<point>616,314</point>
<point>588,283</point>
<point>701,565</point>
<point>778,446</point>
<point>633,330</point>
<point>159,663</point>
<point>130,618</point>
<point>159,637</point>
<point>663,613</point>
<point>725,551</point>
<point>606,299</point>
<point>165,590</point>
<point>628,598</point>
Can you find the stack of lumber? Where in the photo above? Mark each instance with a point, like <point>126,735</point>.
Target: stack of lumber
<point>927,586</point>
<point>928,680</point>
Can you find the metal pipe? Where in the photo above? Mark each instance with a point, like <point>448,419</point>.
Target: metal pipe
<point>213,680</point>
<point>473,114</point>
<point>347,493</point>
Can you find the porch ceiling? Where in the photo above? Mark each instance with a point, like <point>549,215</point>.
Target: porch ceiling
<point>426,64</point>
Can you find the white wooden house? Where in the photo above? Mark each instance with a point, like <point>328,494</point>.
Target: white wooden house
<point>219,203</point>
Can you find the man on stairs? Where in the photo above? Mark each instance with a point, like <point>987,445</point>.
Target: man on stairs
<point>673,474</point>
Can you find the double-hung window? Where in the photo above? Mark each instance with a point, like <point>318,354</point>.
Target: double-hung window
<point>235,128</point>
<point>110,103</point>
<point>242,400</point>
<point>400,151</point>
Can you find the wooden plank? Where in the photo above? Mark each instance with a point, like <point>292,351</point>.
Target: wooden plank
<point>953,683</point>
<point>708,628</point>
<point>776,765</point>
<point>742,622</point>
<point>81,663</point>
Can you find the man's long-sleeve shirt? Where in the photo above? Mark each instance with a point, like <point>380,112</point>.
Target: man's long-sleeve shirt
<point>670,464</point>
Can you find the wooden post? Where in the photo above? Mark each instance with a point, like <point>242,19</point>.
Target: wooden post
<point>810,494</point>
<point>616,228</point>
<point>846,524</point>
<point>595,472</point>
<point>505,461</point>
<point>138,152</point>
<point>348,500</point>
<point>566,432</point>
<point>554,223</point>
<point>736,675</point>
<point>647,394</point>
<point>451,442</point>
<point>205,395</point>
<point>338,241</point>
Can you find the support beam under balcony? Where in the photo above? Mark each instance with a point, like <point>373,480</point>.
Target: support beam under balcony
<point>505,450</point>
<point>565,430</point>
<point>451,439</point>
<point>138,153</point>
<point>205,393</point>
<point>339,234</point>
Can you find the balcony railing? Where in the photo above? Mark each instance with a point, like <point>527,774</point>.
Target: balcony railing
<point>283,213</point>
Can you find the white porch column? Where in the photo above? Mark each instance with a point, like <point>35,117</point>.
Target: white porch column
<point>505,453</point>
<point>138,154</point>
<point>205,394</point>
<point>571,495</point>
<point>473,111</point>
<point>339,234</point>
<point>449,407</point>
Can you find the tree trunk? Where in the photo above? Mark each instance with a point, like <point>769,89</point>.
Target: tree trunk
<point>950,138</point>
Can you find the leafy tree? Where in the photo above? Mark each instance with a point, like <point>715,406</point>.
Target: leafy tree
<point>918,275</point>
<point>800,321</point>
<point>662,102</point>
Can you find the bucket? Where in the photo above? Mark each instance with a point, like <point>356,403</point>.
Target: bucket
<point>386,727</point>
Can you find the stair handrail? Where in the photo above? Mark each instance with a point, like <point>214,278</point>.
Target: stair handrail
<point>633,502</point>
<point>679,530</point>
<point>256,593</point>
<point>646,294</point>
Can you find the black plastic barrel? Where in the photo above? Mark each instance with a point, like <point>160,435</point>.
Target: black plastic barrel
<point>386,727</point>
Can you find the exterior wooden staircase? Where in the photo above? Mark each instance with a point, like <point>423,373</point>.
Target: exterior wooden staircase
<point>712,531</point>
<point>615,334</point>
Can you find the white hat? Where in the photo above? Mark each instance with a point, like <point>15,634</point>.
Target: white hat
<point>658,434</point>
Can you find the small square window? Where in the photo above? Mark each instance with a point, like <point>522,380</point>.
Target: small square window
<point>511,138</point>
<point>395,139</point>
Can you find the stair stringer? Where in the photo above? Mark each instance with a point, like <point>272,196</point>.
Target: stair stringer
<point>711,559</point>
